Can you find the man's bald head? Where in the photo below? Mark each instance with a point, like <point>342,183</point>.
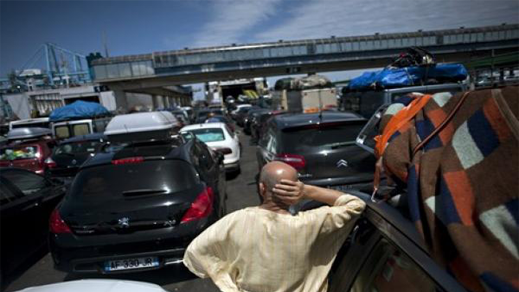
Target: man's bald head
<point>273,172</point>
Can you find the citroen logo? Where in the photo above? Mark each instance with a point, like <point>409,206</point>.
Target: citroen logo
<point>342,163</point>
<point>124,222</point>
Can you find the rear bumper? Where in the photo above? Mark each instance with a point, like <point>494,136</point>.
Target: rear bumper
<point>96,264</point>
<point>232,161</point>
<point>232,166</point>
<point>89,254</point>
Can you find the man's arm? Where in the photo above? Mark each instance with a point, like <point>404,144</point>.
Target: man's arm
<point>291,192</point>
<point>323,195</point>
<point>345,208</point>
<point>207,256</point>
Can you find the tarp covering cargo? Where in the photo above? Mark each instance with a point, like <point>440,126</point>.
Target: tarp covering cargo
<point>409,76</point>
<point>303,83</point>
<point>284,83</point>
<point>78,110</point>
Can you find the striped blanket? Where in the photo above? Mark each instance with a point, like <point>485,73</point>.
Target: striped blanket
<point>463,184</point>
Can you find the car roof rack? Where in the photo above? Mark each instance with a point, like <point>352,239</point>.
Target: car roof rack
<point>140,127</point>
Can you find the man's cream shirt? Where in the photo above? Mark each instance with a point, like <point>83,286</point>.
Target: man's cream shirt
<point>254,249</point>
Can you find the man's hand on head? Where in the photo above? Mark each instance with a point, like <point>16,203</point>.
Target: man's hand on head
<point>289,192</point>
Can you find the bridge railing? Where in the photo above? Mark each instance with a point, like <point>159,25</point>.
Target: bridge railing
<point>145,65</point>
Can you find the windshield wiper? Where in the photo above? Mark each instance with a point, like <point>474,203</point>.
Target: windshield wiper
<point>342,144</point>
<point>143,192</point>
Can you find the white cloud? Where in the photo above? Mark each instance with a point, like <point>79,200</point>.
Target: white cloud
<point>321,19</point>
<point>232,20</point>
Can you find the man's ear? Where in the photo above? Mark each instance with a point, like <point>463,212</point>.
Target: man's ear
<point>262,189</point>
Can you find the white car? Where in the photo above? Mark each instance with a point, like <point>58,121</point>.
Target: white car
<point>238,107</point>
<point>219,138</point>
<point>98,285</point>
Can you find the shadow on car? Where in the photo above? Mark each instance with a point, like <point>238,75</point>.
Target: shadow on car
<point>8,278</point>
<point>164,276</point>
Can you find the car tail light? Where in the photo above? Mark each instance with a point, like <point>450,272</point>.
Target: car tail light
<point>56,224</point>
<point>128,160</point>
<point>296,161</point>
<point>224,150</point>
<point>50,163</point>
<point>201,207</point>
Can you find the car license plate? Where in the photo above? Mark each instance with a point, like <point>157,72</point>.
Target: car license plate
<point>130,264</point>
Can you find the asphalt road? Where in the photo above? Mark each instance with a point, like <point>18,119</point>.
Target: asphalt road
<point>241,192</point>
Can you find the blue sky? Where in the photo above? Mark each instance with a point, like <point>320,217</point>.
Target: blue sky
<point>134,27</point>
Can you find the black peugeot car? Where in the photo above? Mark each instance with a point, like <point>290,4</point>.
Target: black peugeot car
<point>71,153</point>
<point>321,147</point>
<point>26,202</point>
<point>137,206</point>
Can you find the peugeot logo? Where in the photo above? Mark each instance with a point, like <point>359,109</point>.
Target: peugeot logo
<point>342,163</point>
<point>124,222</point>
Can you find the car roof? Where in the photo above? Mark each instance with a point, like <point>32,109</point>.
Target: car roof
<point>88,137</point>
<point>174,148</point>
<point>23,143</point>
<point>202,126</point>
<point>28,133</point>
<point>296,120</point>
<point>393,216</point>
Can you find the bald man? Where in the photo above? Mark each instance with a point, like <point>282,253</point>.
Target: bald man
<point>266,248</point>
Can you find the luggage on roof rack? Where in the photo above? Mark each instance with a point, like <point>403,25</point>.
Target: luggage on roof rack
<point>142,127</point>
<point>28,133</point>
<point>409,76</point>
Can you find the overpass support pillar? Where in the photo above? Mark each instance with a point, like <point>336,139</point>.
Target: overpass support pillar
<point>167,104</point>
<point>157,101</point>
<point>121,101</point>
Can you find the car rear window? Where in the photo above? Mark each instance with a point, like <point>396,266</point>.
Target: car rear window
<point>105,182</point>
<point>77,147</point>
<point>325,137</point>
<point>209,135</point>
<point>17,153</point>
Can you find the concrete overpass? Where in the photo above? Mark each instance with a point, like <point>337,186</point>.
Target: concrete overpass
<point>159,69</point>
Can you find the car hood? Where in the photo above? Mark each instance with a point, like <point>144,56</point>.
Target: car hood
<point>98,285</point>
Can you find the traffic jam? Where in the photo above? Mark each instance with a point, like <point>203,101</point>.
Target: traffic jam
<point>105,195</point>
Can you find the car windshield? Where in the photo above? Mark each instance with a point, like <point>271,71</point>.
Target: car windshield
<point>209,135</point>
<point>167,176</point>
<point>326,137</point>
<point>77,147</point>
<point>17,153</point>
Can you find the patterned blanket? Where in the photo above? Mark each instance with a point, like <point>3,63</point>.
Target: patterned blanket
<point>463,184</point>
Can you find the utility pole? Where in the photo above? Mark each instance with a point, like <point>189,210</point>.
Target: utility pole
<point>105,45</point>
